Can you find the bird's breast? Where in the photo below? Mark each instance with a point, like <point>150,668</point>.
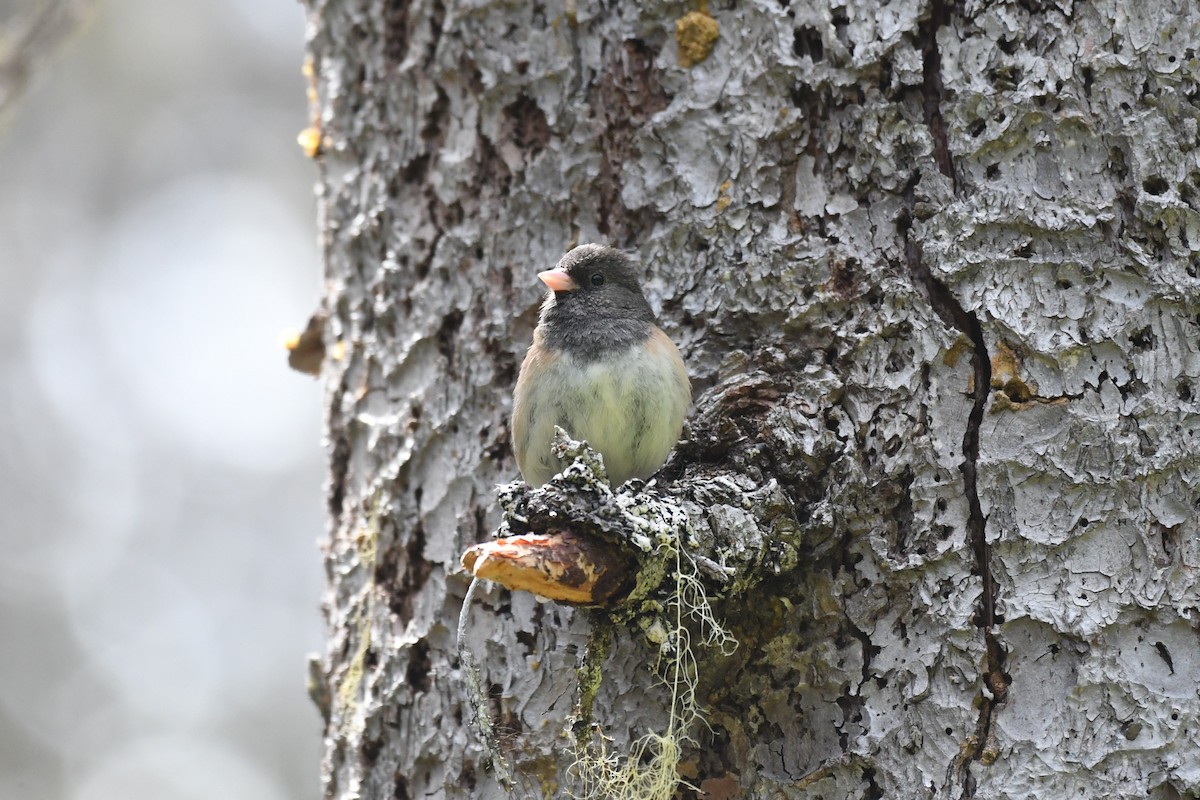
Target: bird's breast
<point>629,405</point>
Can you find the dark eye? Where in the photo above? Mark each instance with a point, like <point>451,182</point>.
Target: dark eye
<point>597,279</point>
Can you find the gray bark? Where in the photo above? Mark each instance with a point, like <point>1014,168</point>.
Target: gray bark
<point>933,269</point>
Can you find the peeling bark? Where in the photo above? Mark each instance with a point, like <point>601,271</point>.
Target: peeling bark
<point>933,269</point>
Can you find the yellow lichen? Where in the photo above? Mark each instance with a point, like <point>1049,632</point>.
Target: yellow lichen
<point>1006,376</point>
<point>723,198</point>
<point>696,32</point>
<point>1006,365</point>
<point>961,345</point>
<point>990,752</point>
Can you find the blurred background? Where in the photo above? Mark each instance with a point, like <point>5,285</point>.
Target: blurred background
<point>160,467</point>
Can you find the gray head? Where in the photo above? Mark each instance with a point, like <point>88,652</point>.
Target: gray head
<point>595,304</point>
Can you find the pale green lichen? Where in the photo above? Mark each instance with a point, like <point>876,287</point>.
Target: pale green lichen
<point>649,769</point>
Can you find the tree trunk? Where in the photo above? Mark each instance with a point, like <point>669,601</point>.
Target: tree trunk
<point>933,269</point>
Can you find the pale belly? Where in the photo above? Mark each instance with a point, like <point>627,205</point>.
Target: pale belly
<point>631,414</point>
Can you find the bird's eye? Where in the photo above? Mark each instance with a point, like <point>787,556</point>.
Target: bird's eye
<point>597,279</point>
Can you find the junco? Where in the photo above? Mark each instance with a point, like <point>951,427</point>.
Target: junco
<point>601,369</point>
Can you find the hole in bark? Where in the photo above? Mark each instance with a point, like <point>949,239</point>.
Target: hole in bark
<point>875,294</point>
<point>1008,46</point>
<point>1165,655</point>
<point>840,23</point>
<point>529,128</point>
<point>1142,339</point>
<point>395,36</point>
<point>1005,78</point>
<point>977,127</point>
<point>885,75</point>
<point>1024,251</point>
<point>448,333</point>
<point>494,173</point>
<point>1116,162</point>
<point>1155,185</point>
<point>992,172</point>
<point>438,114</point>
<point>802,95</point>
<point>873,792</point>
<point>400,789</point>
<point>436,14</point>
<point>414,171</point>
<point>806,42</point>
<point>371,749</point>
<point>416,674</point>
<point>1184,390</point>
<point>416,571</point>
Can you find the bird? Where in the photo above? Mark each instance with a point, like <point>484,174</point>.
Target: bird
<point>601,369</point>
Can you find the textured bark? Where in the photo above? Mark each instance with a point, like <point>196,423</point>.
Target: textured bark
<point>934,271</point>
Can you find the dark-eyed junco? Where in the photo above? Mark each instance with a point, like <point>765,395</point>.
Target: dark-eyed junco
<point>601,369</point>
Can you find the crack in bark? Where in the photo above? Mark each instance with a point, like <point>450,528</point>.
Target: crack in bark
<point>981,746</point>
<point>932,90</point>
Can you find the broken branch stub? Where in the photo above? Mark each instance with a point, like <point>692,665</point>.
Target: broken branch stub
<point>575,540</point>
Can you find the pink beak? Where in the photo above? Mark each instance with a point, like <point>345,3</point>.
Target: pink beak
<point>558,280</point>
